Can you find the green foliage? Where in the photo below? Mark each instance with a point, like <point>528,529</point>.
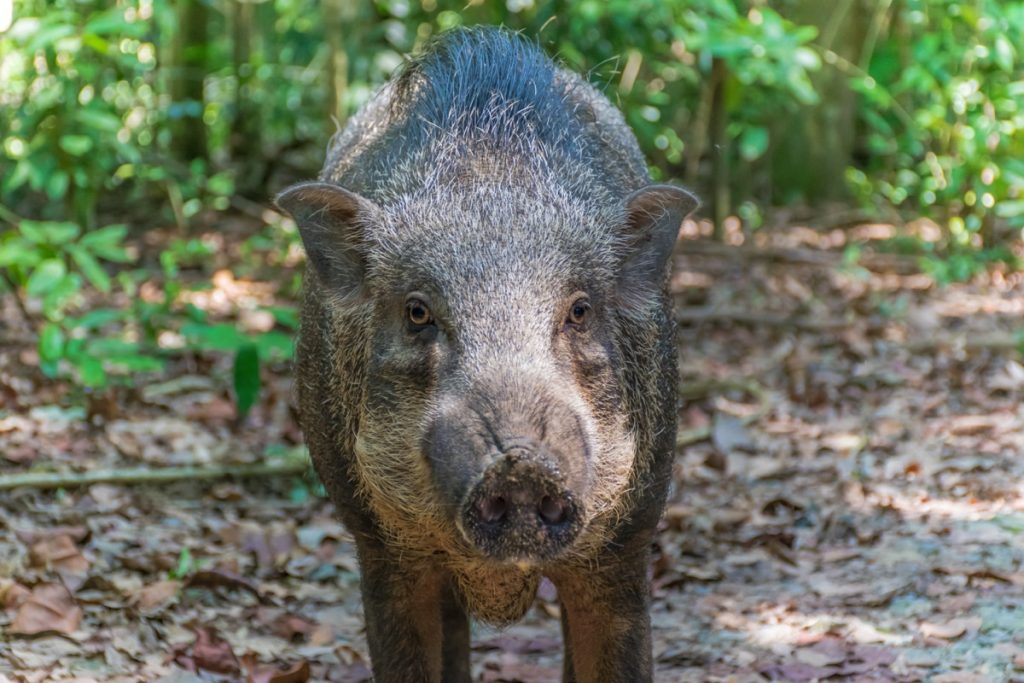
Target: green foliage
<point>93,137</point>
<point>186,565</point>
<point>943,106</point>
<point>79,76</point>
<point>246,378</point>
<point>50,261</point>
<point>653,57</point>
<point>961,266</point>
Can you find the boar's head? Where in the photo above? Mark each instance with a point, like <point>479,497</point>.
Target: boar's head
<point>492,419</point>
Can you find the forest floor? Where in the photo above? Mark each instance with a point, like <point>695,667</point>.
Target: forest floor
<point>848,502</point>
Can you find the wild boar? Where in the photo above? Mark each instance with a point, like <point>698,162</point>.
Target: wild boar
<point>486,361</point>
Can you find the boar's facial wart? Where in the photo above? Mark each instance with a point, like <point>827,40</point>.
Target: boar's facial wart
<point>331,221</point>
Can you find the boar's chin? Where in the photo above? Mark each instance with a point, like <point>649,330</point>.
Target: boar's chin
<point>496,594</point>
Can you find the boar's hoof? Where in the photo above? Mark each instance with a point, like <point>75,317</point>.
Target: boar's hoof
<point>520,510</point>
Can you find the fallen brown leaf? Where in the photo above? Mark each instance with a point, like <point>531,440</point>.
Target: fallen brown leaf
<point>32,536</point>
<point>798,672</point>
<point>292,627</point>
<point>60,554</point>
<point>823,653</point>
<point>49,609</point>
<point>296,673</point>
<point>12,594</point>
<point>209,652</point>
<point>322,635</point>
<point>519,646</point>
<point>969,425</point>
<point>952,629</point>
<point>962,677</point>
<point>156,594</point>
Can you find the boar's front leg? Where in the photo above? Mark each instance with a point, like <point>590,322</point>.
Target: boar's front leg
<point>404,624</point>
<point>606,623</point>
<point>455,639</point>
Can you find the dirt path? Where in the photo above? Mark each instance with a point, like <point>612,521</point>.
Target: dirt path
<point>868,525</point>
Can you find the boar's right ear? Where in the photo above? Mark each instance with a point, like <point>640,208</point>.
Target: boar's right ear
<point>331,220</point>
<point>654,215</point>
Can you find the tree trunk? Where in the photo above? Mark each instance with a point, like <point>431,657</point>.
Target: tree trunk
<point>187,73</point>
<point>813,147</point>
<point>340,20</point>
<point>720,152</point>
<point>243,121</point>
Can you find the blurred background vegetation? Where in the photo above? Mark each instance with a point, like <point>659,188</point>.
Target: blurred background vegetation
<point>133,129</point>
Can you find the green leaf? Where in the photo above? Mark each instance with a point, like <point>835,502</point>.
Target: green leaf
<point>91,268</point>
<point>221,184</point>
<point>1004,54</point>
<point>96,318</point>
<point>51,343</point>
<point>61,294</point>
<point>57,184</point>
<point>48,35</point>
<point>807,58</point>
<point>49,232</point>
<point>76,145</point>
<point>137,363</point>
<point>45,277</point>
<point>284,316</point>
<point>114,22</point>
<point>276,344</point>
<point>247,378</point>
<point>214,337</point>
<point>185,565</point>
<point>114,253</point>
<point>110,347</point>
<point>18,252</point>
<point>99,120</point>
<point>107,236</point>
<point>19,177</point>
<point>753,143</point>
<point>1010,209</point>
<point>91,372</point>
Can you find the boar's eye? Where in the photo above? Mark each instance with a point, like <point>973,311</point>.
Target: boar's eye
<point>579,313</point>
<point>417,315</point>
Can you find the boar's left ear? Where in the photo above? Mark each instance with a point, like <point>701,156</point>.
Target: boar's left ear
<point>654,214</point>
<point>331,221</point>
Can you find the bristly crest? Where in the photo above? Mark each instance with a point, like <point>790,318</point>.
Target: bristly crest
<point>488,85</point>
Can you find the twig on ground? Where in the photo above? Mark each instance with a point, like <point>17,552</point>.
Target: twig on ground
<point>903,265</point>
<point>995,341</point>
<point>144,475</point>
<point>714,315</point>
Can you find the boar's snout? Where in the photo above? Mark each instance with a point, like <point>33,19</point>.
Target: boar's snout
<point>521,509</point>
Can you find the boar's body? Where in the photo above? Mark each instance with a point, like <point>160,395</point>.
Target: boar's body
<point>486,365</point>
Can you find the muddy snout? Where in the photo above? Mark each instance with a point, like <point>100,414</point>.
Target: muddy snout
<point>521,509</point>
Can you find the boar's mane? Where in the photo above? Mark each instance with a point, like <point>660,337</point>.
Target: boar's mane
<point>478,92</point>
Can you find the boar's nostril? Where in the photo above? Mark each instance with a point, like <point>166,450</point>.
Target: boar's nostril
<point>493,509</point>
<point>552,510</point>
